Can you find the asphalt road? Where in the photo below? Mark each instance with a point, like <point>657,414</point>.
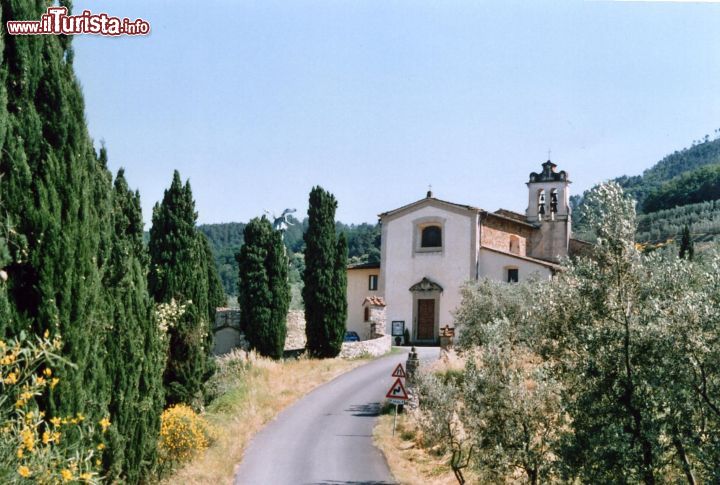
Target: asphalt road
<point>326,437</point>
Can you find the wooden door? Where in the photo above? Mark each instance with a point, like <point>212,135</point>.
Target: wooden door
<point>426,319</point>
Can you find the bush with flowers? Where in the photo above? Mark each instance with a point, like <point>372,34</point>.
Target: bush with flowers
<point>183,434</point>
<point>35,447</point>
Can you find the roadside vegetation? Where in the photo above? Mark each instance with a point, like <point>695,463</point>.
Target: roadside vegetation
<point>248,391</point>
<point>609,373</point>
<point>106,335</point>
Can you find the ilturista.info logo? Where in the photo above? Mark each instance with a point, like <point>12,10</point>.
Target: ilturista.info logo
<point>57,21</point>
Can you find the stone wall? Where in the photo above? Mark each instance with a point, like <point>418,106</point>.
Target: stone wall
<point>226,331</point>
<point>374,347</point>
<point>496,232</point>
<point>551,241</point>
<point>295,338</point>
<point>227,334</point>
<point>580,249</point>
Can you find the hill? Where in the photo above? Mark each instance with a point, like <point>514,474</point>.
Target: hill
<point>699,154</point>
<point>703,218</point>
<point>680,189</point>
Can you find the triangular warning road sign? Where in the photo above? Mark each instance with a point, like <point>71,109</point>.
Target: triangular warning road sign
<point>397,391</point>
<point>399,371</point>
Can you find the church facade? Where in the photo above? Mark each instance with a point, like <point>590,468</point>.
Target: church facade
<point>431,248</point>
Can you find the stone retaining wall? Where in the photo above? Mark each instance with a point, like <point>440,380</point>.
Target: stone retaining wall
<point>295,338</point>
<point>374,347</point>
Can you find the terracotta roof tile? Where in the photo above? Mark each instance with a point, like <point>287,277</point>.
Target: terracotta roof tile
<point>375,300</point>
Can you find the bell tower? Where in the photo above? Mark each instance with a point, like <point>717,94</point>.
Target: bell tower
<point>549,209</point>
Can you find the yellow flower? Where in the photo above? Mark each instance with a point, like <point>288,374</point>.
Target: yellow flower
<point>80,417</point>
<point>46,438</point>
<point>101,446</point>
<point>46,334</point>
<point>28,439</point>
<point>97,462</point>
<point>66,475</point>
<point>24,471</point>
<point>55,421</point>
<point>47,372</point>
<point>54,382</point>
<point>11,378</point>
<point>20,452</point>
<point>105,423</point>
<point>40,381</point>
<point>86,476</point>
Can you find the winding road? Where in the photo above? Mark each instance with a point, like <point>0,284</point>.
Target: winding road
<point>326,437</point>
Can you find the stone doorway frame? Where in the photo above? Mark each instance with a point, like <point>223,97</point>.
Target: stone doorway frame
<point>425,289</point>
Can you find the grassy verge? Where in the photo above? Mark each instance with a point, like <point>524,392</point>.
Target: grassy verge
<point>251,392</point>
<point>409,463</point>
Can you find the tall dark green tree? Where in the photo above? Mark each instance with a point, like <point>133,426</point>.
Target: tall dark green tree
<point>55,193</point>
<point>178,271</point>
<point>216,292</point>
<point>325,280</point>
<point>134,352</point>
<point>340,283</point>
<point>264,290</point>
<point>687,247</point>
<point>63,268</point>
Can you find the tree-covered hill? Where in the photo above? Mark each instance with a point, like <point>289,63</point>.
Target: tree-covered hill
<point>699,185</point>
<point>702,218</point>
<point>700,154</point>
<point>225,241</point>
<point>681,189</point>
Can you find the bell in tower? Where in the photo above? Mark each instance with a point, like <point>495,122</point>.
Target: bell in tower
<point>541,204</point>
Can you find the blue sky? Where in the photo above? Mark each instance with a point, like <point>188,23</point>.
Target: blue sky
<point>256,102</point>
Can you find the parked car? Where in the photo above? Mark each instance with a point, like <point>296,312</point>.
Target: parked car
<point>351,336</point>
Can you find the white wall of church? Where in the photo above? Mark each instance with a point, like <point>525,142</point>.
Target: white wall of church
<point>357,291</point>
<point>402,266</point>
<point>494,265</point>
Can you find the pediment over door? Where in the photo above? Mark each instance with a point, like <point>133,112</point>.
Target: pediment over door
<point>426,285</point>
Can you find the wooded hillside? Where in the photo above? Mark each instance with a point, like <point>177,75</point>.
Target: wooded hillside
<point>681,189</point>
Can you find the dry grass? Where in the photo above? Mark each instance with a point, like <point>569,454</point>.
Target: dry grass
<point>252,395</point>
<point>409,463</point>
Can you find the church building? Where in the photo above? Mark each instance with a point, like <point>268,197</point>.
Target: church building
<point>431,248</point>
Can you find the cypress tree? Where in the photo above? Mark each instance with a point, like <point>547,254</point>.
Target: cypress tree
<point>324,277</point>
<point>216,292</point>
<point>687,247</point>
<point>263,288</point>
<point>135,356</point>
<point>277,266</point>
<point>340,285</point>
<point>5,314</point>
<point>56,195</point>
<point>178,271</point>
<point>60,258</point>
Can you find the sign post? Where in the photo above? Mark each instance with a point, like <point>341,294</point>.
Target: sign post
<point>397,393</point>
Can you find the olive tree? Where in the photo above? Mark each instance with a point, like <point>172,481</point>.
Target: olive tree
<point>634,340</point>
